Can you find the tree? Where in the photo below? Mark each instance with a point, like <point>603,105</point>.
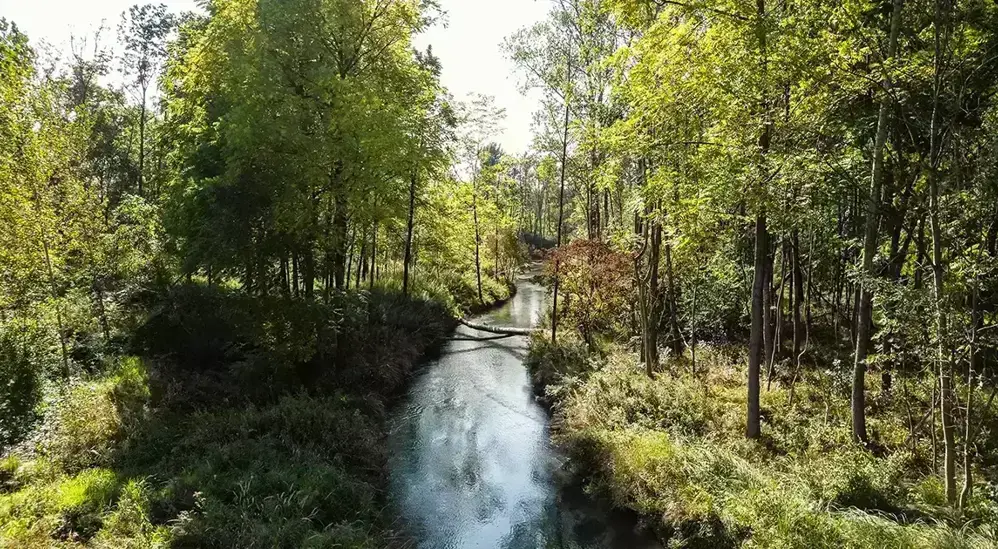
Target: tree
<point>864,321</point>
<point>144,32</point>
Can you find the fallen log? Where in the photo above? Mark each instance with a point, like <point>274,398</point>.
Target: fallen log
<point>489,338</point>
<point>497,329</point>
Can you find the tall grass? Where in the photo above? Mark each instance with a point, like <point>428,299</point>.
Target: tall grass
<point>672,449</point>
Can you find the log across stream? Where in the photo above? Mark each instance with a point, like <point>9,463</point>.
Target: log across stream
<point>472,464</point>
<point>498,330</point>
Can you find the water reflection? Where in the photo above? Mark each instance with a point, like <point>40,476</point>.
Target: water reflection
<point>472,465</point>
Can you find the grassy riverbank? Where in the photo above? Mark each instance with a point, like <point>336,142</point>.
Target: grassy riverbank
<point>672,449</point>
<point>240,422</point>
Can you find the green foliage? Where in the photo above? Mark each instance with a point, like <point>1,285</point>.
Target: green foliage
<point>224,345</point>
<point>555,364</point>
<point>280,168</point>
<point>21,391</point>
<point>92,417</point>
<point>128,525</point>
<point>671,448</point>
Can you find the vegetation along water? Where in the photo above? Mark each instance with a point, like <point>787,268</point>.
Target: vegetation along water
<point>725,275</point>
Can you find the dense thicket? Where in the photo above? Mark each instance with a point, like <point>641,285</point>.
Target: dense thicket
<point>814,180</point>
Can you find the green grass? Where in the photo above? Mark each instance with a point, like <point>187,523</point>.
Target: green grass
<point>672,449</point>
<point>63,490</point>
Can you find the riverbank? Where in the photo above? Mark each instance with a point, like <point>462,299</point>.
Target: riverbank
<point>241,421</point>
<point>672,449</point>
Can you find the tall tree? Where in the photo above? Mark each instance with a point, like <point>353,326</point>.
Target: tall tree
<point>144,30</point>
<point>864,320</point>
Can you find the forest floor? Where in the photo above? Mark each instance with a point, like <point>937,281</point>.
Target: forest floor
<point>240,422</point>
<point>673,449</point>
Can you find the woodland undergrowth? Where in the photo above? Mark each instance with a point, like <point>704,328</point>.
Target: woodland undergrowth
<point>672,448</point>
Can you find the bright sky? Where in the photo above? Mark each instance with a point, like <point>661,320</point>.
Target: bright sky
<point>468,47</point>
<point>470,51</point>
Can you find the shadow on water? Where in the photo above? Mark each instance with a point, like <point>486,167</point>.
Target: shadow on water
<point>472,464</point>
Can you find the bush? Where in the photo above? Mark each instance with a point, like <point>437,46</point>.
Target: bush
<point>221,346</point>
<point>128,526</point>
<point>597,288</point>
<point>20,391</point>
<point>555,364</point>
<point>84,499</point>
<point>284,475</point>
<point>70,507</point>
<point>87,422</point>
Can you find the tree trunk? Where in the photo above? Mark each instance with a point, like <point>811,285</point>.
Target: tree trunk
<point>606,213</point>
<point>762,251</point>
<point>374,253</point>
<point>968,436</point>
<point>798,292</point>
<point>771,351</point>
<point>478,241</point>
<point>561,219</point>
<point>676,343</point>
<point>407,258</point>
<point>248,275</point>
<point>769,343</point>
<point>756,346</point>
<point>654,298</point>
<point>263,273</point>
<point>105,326</point>
<point>308,272</point>
<point>864,320</point>
<point>693,332</point>
<point>943,358</point>
<point>362,259</point>
<point>142,138</point>
<point>295,286</point>
<point>777,347</point>
<point>495,270</point>
<point>339,259</point>
<point>938,272</point>
<point>58,310</point>
<point>500,330</point>
<point>285,287</point>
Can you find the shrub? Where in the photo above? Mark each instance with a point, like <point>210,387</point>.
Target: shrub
<point>8,472</point>
<point>87,422</point>
<point>83,499</point>
<point>596,283</point>
<point>273,439</point>
<point>221,347</point>
<point>282,475</point>
<point>553,364</point>
<point>71,508</point>
<point>20,390</point>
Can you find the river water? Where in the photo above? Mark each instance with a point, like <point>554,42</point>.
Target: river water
<point>472,465</point>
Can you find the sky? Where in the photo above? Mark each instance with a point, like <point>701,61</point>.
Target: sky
<point>468,44</point>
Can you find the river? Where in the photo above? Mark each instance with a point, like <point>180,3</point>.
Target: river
<point>472,464</point>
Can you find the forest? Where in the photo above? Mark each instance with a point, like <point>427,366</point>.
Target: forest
<point>767,232</point>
